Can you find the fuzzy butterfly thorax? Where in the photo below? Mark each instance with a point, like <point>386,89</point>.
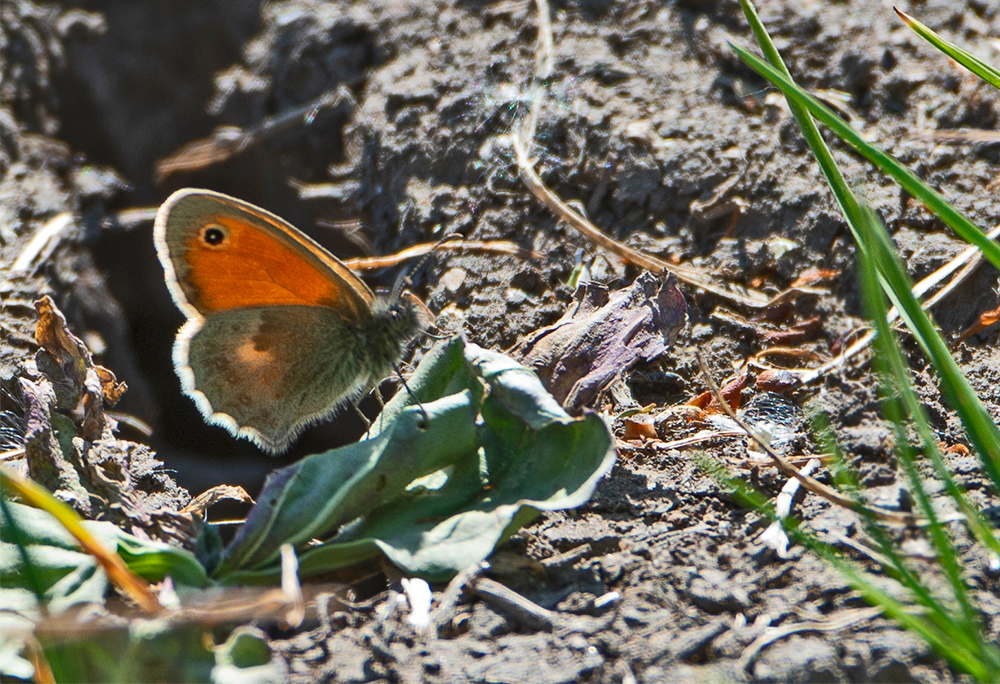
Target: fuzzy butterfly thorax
<point>280,334</point>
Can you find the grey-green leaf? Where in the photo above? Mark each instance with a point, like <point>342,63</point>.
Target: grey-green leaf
<point>441,484</point>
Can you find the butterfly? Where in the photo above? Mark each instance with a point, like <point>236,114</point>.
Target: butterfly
<point>280,333</point>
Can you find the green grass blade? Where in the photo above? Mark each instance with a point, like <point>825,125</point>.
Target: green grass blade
<point>969,61</point>
<point>983,433</point>
<point>895,566</point>
<point>846,480</point>
<point>979,427</point>
<point>909,181</point>
<point>958,637</point>
<point>901,408</point>
<point>841,191</point>
<point>940,637</point>
<point>955,388</point>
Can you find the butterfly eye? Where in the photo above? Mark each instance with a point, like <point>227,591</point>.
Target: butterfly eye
<point>213,235</point>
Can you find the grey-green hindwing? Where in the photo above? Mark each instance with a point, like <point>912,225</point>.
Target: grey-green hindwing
<point>268,372</point>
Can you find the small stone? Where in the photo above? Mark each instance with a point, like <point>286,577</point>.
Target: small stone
<point>714,592</point>
<point>515,296</point>
<point>799,660</point>
<point>453,279</point>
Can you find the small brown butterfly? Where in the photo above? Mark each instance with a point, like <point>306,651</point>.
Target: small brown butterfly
<point>280,333</point>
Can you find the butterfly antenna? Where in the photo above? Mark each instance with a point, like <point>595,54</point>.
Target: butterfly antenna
<point>404,280</point>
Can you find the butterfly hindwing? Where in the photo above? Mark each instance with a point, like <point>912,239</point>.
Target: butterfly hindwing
<point>246,370</point>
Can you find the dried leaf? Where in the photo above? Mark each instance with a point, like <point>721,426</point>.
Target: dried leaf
<point>732,392</point>
<point>816,275</point>
<point>71,450</point>
<point>802,331</point>
<point>111,389</point>
<point>639,427</point>
<point>604,334</point>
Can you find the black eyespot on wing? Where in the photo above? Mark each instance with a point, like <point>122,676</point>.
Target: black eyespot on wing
<point>213,235</point>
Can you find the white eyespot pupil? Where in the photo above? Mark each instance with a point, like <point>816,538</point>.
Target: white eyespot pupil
<point>213,236</point>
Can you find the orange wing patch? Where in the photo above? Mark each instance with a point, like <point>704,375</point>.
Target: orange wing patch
<point>247,267</point>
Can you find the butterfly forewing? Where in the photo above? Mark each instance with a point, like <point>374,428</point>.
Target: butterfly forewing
<point>235,255</point>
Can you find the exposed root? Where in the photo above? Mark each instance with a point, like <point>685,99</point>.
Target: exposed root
<point>465,246</point>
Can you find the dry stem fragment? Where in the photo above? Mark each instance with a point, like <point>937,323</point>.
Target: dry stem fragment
<point>502,247</point>
<point>523,139</point>
<point>774,536</point>
<point>810,483</point>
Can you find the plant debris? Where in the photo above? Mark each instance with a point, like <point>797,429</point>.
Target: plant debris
<point>70,446</point>
<point>604,334</point>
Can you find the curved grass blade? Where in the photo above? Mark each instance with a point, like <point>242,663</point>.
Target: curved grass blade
<point>118,572</point>
<point>907,179</point>
<point>968,60</point>
<point>982,431</point>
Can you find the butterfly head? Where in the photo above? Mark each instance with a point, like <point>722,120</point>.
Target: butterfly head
<point>399,318</point>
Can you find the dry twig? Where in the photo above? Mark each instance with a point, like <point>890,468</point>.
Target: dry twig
<point>470,246</point>
<point>967,260</point>
<point>831,623</point>
<point>522,140</point>
<point>201,503</point>
<point>810,483</point>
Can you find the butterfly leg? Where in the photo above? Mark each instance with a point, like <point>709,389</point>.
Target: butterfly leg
<point>381,402</point>
<point>413,397</point>
<point>368,423</point>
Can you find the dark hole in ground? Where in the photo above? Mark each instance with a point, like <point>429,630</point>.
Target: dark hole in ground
<point>128,98</point>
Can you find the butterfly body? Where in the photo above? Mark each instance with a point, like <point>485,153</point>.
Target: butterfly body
<point>280,334</point>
